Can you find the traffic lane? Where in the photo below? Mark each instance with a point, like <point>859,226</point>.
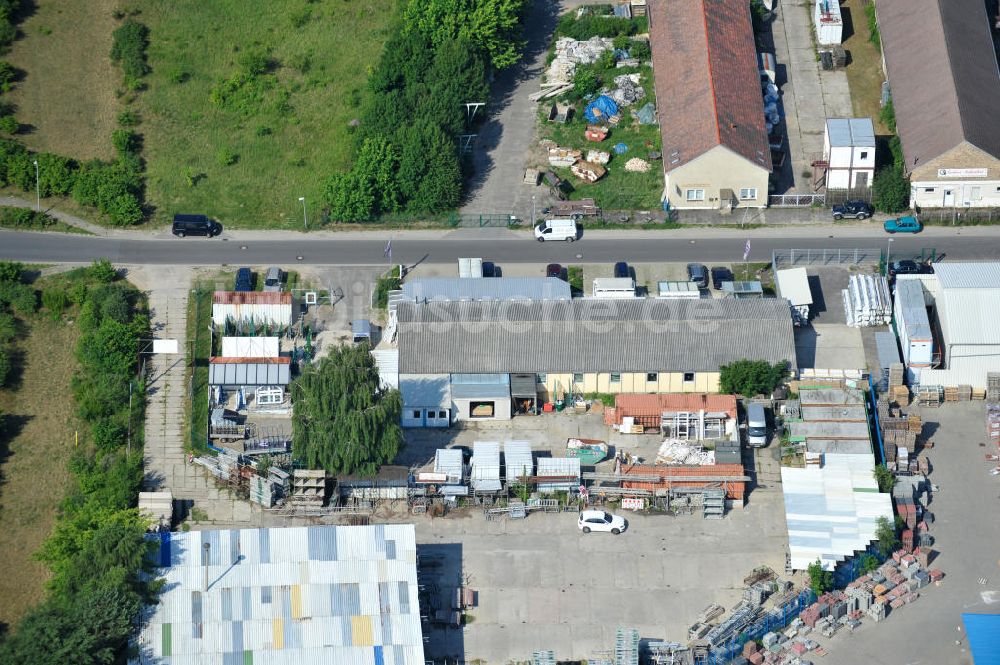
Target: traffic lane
<point>65,248</point>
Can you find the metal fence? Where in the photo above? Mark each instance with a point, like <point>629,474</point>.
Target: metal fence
<point>838,196</point>
<point>772,621</point>
<point>482,219</point>
<point>958,216</point>
<point>790,258</point>
<point>796,200</point>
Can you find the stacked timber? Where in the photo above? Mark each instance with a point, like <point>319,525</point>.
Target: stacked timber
<point>867,301</point>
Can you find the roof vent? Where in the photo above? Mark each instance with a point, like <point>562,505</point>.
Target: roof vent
<point>732,125</point>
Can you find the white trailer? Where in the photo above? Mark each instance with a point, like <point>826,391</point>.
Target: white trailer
<point>913,326</point>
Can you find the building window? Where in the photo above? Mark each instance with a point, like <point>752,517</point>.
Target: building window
<point>748,194</point>
<point>616,377</point>
<point>688,377</point>
<point>864,154</point>
<point>930,190</point>
<point>541,378</point>
<point>442,415</point>
<point>416,415</point>
<point>695,195</point>
<point>577,377</point>
<point>652,377</point>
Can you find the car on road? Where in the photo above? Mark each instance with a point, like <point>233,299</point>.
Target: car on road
<point>598,520</point>
<point>557,229</point>
<point>273,279</point>
<point>554,270</point>
<point>907,224</point>
<point>910,267</point>
<point>721,274</point>
<point>244,280</point>
<point>698,274</point>
<point>195,225</point>
<point>855,209</point>
<point>621,270</point>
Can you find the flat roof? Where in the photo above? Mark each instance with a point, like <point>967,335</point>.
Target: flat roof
<point>846,412</point>
<point>249,371</point>
<point>304,595</point>
<point>830,396</point>
<point>800,431</point>
<point>446,289</point>
<point>793,286</point>
<point>850,132</point>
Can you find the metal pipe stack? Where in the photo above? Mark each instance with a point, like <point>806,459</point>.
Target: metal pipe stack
<point>867,301</point>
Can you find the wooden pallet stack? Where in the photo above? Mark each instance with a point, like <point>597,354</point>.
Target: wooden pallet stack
<point>898,392</point>
<point>964,393</point>
<point>930,396</point>
<point>951,394</point>
<point>993,387</point>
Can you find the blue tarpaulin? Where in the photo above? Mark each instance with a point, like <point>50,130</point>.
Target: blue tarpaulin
<point>601,109</point>
<point>983,631</point>
<point>620,148</point>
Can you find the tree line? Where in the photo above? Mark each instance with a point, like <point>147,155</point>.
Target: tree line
<point>413,113</point>
<point>98,551</point>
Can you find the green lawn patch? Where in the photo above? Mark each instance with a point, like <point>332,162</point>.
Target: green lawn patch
<point>248,104</point>
<point>25,219</point>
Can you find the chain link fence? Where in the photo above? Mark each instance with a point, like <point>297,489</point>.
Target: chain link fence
<point>791,258</point>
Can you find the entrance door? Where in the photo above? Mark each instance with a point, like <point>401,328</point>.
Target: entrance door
<point>949,198</point>
<point>862,179</point>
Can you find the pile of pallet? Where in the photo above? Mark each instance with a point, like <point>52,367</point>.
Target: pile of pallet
<point>993,423</point>
<point>958,394</point>
<point>930,396</point>
<point>898,392</point>
<point>993,386</point>
<point>867,301</point>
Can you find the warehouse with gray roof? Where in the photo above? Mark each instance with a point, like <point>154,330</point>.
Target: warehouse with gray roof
<point>473,354</point>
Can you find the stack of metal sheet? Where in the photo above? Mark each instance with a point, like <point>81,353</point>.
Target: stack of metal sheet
<point>867,301</point>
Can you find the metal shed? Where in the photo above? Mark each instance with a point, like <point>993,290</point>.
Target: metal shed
<point>448,461</point>
<point>485,475</point>
<point>743,289</point>
<point>564,473</point>
<point>524,393</point>
<point>240,372</point>
<point>256,307</point>
<point>793,286</point>
<point>517,460</point>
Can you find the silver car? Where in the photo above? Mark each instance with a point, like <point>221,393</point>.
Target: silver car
<point>272,279</point>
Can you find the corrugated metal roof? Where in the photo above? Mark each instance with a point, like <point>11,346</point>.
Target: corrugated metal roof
<point>485,475</point>
<point>326,594</point>
<point>654,405</point>
<point>964,372</point>
<point>850,132</point>
<point>249,372</point>
<point>674,476</point>
<point>523,385</point>
<point>517,459</point>
<point>557,466</point>
<point>968,275</point>
<point>490,288</point>
<point>640,335</point>
<point>449,461</point>
<point>387,361</point>
<point>793,285</point>
<point>425,391</point>
<point>887,348</point>
<point>911,304</point>
<point>252,298</point>
<point>480,391</point>
<point>969,302</point>
<point>831,510</point>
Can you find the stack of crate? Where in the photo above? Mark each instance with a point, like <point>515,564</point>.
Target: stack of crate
<point>964,393</point>
<point>929,396</point>
<point>951,394</point>
<point>993,387</point>
<point>898,392</point>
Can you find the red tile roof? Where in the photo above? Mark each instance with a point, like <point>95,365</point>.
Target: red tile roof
<point>653,405</point>
<point>284,360</point>
<point>707,80</point>
<point>252,298</point>
<point>670,476</point>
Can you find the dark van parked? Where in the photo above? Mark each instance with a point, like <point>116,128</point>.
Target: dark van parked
<point>195,225</point>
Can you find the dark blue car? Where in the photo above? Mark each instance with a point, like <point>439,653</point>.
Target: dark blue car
<point>244,280</point>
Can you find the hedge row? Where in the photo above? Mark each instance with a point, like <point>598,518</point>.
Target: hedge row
<point>115,188</point>
<point>98,552</point>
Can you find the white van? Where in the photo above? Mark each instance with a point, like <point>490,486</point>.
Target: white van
<point>756,425</point>
<point>557,229</point>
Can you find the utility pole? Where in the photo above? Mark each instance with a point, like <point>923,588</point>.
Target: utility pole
<point>305,219</point>
<point>38,190</point>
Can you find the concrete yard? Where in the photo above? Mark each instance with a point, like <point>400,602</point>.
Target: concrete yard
<point>967,534</point>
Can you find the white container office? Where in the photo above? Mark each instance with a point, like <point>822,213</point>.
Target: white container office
<point>912,325</point>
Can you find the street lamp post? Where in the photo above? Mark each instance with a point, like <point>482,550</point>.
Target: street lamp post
<point>534,219</point>
<point>38,190</point>
<point>305,219</point>
<point>888,252</point>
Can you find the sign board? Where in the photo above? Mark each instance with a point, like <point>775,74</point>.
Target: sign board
<point>633,504</point>
<point>962,173</point>
<point>310,297</point>
<point>165,346</point>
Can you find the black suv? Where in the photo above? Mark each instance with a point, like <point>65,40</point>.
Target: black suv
<point>721,274</point>
<point>195,225</point>
<point>909,267</point>
<point>698,274</point>
<point>855,209</point>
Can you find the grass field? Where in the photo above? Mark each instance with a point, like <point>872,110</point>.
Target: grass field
<point>618,189</point>
<point>286,134</point>
<point>33,453</point>
<point>67,96</point>
<point>864,73</point>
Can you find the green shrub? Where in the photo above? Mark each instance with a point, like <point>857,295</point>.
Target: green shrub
<point>890,190</point>
<point>263,130</point>
<point>128,118</point>
<point>300,17</point>
<point>887,114</point>
<point>56,174</point>
<point>5,366</point>
<point>9,125</point>
<point>585,82</point>
<point>255,62</point>
<point>607,60</point>
<point>874,37</point>
<point>124,141</point>
<point>19,297</point>
<point>25,218</point>
<point>820,581</point>
<point>102,271</point>
<point>11,272</point>
<point>7,76</point>
<point>639,49</point>
<point>128,49</point>
<point>621,42</point>
<point>589,25</point>
<point>226,157</point>
<point>55,301</point>
<point>751,377</point>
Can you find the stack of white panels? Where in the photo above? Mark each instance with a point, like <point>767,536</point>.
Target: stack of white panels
<point>867,301</point>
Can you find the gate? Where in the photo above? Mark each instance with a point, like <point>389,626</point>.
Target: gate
<point>487,219</point>
<point>790,258</point>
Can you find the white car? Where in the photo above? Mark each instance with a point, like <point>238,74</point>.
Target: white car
<point>598,520</point>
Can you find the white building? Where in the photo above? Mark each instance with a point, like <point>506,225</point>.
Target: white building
<point>913,327</point>
<point>849,151</point>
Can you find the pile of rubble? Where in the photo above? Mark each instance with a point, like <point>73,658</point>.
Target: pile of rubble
<point>636,165</point>
<point>570,53</point>
<point>627,90</point>
<point>675,451</point>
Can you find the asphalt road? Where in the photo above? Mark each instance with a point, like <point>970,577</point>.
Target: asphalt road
<point>64,248</point>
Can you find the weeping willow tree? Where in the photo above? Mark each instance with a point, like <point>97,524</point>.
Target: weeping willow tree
<point>344,422</point>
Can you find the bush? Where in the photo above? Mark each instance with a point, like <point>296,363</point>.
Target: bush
<point>607,60</point>
<point>890,190</point>
<point>25,218</point>
<point>255,62</point>
<point>887,114</point>
<point>19,297</point>
<point>124,141</point>
<point>102,271</point>
<point>56,174</point>
<point>588,26</point>
<point>9,125</point>
<point>585,82</point>
<point>7,76</point>
<point>128,118</point>
<point>55,301</point>
<point>11,272</point>
<point>888,538</point>
<point>885,479</point>
<point>640,50</point>
<point>874,37</point>
<point>5,366</point>
<point>751,377</point>
<point>820,581</point>
<point>226,157</point>
<point>128,49</point>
